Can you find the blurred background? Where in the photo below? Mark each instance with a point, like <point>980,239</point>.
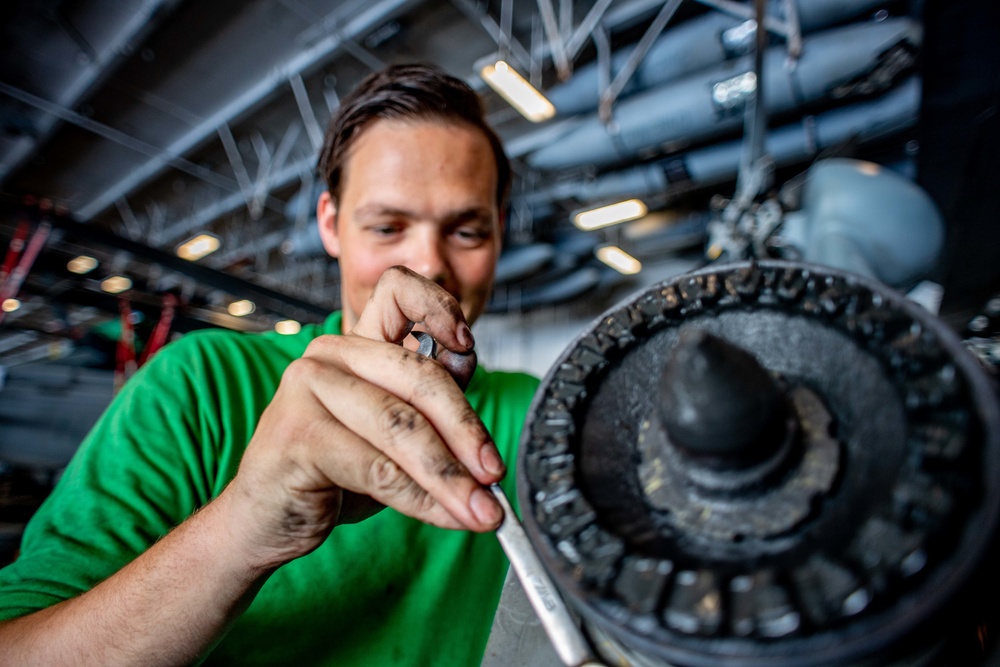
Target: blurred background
<point>157,167</point>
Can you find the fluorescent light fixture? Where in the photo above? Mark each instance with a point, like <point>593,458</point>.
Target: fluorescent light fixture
<point>519,93</point>
<point>868,168</point>
<point>115,284</point>
<point>241,308</point>
<point>288,327</point>
<point>195,248</point>
<point>619,260</point>
<point>82,264</point>
<point>10,305</point>
<point>609,215</point>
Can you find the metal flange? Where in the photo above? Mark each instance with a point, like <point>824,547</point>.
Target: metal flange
<point>860,541</point>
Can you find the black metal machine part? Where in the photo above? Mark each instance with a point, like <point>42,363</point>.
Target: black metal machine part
<point>767,464</point>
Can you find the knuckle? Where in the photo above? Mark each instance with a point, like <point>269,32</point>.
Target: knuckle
<point>323,345</point>
<point>468,417</point>
<point>398,270</point>
<point>436,383</point>
<point>303,368</point>
<point>395,275</point>
<point>400,420</point>
<point>387,478</point>
<point>446,467</point>
<point>429,370</point>
<point>427,367</point>
<point>423,501</point>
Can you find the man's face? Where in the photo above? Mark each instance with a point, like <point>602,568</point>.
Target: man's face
<point>422,195</point>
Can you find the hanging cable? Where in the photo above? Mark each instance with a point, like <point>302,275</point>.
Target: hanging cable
<point>125,364</point>
<point>12,282</point>
<point>158,338</point>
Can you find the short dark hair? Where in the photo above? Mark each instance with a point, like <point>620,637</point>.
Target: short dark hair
<point>405,92</point>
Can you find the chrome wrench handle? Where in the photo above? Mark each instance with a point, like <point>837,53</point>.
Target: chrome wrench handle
<point>566,637</point>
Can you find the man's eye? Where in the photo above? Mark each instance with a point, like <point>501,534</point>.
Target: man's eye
<point>384,230</point>
<point>471,234</point>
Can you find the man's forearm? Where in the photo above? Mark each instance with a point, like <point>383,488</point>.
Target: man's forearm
<point>168,607</point>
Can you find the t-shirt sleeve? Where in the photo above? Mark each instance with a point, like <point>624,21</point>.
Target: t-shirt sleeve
<point>141,471</point>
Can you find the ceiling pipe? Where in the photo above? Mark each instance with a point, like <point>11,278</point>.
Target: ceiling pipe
<point>707,104</point>
<point>205,216</point>
<point>519,263</point>
<point>789,144</point>
<point>476,14</point>
<point>306,242</point>
<point>670,236</point>
<point>304,62</point>
<point>613,89</point>
<point>688,47</point>
<point>256,246</point>
<point>133,31</point>
<point>118,137</point>
<point>513,299</point>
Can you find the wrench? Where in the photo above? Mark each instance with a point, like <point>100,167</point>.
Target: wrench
<point>566,637</point>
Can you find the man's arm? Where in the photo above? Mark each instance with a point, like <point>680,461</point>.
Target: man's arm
<point>167,607</point>
<point>355,419</point>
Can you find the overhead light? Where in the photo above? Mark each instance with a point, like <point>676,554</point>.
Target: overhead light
<point>82,264</point>
<point>115,284</point>
<point>195,248</point>
<point>609,215</point>
<point>519,93</point>
<point>10,305</point>
<point>288,327</point>
<point>241,308</point>
<point>868,168</point>
<point>619,260</point>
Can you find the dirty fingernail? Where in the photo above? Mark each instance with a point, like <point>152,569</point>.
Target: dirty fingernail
<point>465,336</point>
<point>491,461</point>
<point>485,507</point>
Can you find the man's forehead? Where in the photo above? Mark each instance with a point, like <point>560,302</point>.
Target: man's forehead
<point>390,148</point>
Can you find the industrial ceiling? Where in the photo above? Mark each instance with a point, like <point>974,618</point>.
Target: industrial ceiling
<point>131,126</point>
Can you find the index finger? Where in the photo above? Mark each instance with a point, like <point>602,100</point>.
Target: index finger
<point>402,298</point>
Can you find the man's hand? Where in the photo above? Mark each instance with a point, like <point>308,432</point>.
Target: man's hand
<point>359,422</point>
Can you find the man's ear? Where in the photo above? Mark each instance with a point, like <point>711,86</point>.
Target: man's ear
<point>326,217</point>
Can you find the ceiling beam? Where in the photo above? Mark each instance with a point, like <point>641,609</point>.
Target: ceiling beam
<point>133,32</point>
<point>264,297</point>
<point>304,62</point>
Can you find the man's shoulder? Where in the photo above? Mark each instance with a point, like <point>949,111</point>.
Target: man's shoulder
<point>228,343</point>
<point>214,342</point>
<point>512,389</point>
<point>513,380</point>
<point>222,357</point>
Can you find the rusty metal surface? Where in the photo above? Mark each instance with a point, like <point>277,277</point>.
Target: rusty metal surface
<point>865,548</point>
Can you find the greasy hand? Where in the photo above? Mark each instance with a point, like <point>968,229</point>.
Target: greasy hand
<point>359,422</point>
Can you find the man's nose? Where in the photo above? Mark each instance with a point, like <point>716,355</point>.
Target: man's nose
<point>430,259</point>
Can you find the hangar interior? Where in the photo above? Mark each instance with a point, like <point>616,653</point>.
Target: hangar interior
<point>135,131</point>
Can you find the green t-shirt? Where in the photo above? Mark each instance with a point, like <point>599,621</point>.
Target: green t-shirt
<point>387,591</point>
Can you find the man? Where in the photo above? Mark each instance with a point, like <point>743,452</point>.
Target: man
<point>275,455</point>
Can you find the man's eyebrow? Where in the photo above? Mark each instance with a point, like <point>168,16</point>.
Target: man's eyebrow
<point>378,211</point>
<point>382,211</point>
<point>470,214</point>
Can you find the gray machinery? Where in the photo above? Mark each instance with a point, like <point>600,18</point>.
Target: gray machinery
<point>864,218</point>
<point>771,463</point>
<point>768,464</point>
